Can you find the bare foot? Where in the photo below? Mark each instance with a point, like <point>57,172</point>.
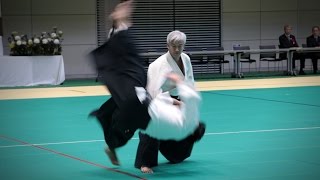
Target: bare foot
<point>146,170</point>
<point>112,156</point>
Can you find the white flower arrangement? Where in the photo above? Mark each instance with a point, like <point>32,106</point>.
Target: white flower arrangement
<point>17,38</point>
<point>30,42</point>
<point>45,44</point>
<point>36,41</point>
<point>53,35</point>
<point>56,41</point>
<point>44,41</point>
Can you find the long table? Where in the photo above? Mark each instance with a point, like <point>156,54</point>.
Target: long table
<point>31,70</point>
<point>237,56</point>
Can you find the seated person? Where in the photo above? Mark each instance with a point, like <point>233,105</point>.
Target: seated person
<point>287,40</point>
<point>314,41</point>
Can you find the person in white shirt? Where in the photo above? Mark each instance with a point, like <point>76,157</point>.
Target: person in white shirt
<point>130,106</point>
<point>174,61</point>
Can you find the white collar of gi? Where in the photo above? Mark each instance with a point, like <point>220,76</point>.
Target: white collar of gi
<point>174,65</point>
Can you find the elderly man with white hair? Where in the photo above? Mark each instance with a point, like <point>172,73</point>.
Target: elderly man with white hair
<point>174,61</point>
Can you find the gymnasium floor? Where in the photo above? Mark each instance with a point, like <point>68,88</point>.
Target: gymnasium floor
<point>256,129</point>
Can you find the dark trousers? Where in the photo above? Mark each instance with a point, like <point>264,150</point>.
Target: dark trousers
<point>109,118</point>
<point>298,56</point>
<point>315,57</point>
<point>173,151</point>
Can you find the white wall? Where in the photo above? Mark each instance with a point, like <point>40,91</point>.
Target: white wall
<point>76,18</point>
<point>245,22</point>
<point>260,22</point>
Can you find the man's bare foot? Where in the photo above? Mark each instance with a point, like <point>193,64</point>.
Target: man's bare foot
<point>111,153</point>
<point>146,170</point>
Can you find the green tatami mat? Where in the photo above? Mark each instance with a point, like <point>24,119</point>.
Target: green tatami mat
<point>251,134</point>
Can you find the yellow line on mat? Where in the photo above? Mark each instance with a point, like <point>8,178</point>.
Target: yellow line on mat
<point>53,92</point>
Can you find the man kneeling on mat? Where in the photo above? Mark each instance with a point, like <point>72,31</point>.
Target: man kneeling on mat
<point>173,61</point>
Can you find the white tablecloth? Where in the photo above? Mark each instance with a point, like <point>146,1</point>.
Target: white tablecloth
<point>31,70</point>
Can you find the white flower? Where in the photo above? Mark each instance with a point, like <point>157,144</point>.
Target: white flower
<point>30,42</point>
<point>53,35</point>
<point>49,39</point>
<point>18,42</point>
<point>44,41</point>
<point>60,32</point>
<point>24,42</point>
<point>56,41</point>
<point>36,41</point>
<point>17,38</point>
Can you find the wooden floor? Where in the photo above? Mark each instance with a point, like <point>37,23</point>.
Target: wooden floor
<point>28,93</point>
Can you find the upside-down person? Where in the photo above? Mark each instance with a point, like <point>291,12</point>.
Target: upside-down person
<point>130,107</point>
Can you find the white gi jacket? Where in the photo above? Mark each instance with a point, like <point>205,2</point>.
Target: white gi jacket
<point>170,122</point>
<point>161,67</point>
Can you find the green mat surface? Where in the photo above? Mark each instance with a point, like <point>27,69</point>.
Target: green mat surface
<point>251,134</point>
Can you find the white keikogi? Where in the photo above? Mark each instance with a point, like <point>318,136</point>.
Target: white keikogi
<point>167,120</point>
<point>171,122</point>
<point>161,67</point>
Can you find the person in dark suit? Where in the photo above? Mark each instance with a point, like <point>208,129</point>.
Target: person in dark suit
<point>314,41</point>
<point>117,62</point>
<point>287,40</point>
<point>130,106</point>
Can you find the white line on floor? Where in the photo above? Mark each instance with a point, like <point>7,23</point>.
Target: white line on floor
<point>265,130</point>
<point>207,134</point>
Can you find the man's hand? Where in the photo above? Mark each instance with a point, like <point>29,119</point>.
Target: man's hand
<point>174,78</point>
<point>176,102</point>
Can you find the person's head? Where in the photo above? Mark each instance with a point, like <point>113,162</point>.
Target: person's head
<point>315,30</point>
<point>121,14</point>
<point>175,43</point>
<point>287,29</point>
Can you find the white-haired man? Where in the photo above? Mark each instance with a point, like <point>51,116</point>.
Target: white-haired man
<point>174,61</point>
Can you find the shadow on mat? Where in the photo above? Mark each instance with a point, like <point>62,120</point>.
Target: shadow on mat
<point>186,169</point>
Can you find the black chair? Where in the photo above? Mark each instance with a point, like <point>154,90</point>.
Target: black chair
<point>245,57</point>
<point>269,57</point>
<point>149,59</point>
<point>218,59</point>
<point>199,62</point>
<point>195,59</point>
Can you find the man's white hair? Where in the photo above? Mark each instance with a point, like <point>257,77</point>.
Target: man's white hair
<point>176,37</point>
